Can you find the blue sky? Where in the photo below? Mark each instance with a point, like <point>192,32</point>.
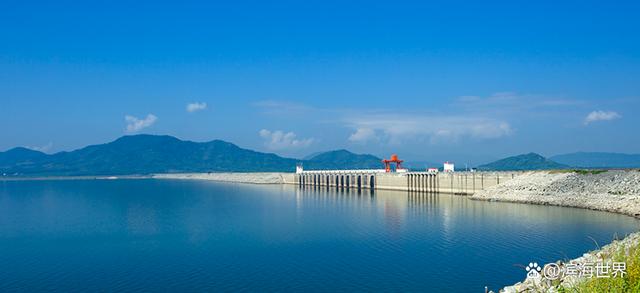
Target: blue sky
<point>430,81</point>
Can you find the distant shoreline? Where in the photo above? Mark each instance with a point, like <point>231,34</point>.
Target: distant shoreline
<point>251,178</point>
<point>236,177</point>
<point>94,177</point>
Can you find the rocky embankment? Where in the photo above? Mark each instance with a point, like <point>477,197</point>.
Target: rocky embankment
<point>615,191</point>
<point>256,178</point>
<point>571,282</point>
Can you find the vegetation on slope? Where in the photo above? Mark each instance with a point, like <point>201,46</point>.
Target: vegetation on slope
<point>530,161</point>
<point>580,171</point>
<point>630,282</point>
<point>146,154</point>
<point>342,159</point>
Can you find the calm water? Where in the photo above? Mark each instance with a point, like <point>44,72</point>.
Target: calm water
<point>154,235</point>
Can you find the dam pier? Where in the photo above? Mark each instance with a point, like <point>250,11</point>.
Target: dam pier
<point>463,183</point>
<point>395,177</point>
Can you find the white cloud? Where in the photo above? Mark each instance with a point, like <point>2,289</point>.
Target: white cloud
<point>135,124</point>
<point>273,107</point>
<point>194,107</point>
<point>44,148</point>
<point>279,140</point>
<point>436,128</point>
<point>514,103</point>
<point>601,116</point>
<point>363,135</point>
<point>502,99</point>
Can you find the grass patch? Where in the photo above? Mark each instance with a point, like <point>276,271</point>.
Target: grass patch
<point>579,171</point>
<point>592,172</point>
<point>617,192</point>
<point>629,283</point>
<point>561,171</point>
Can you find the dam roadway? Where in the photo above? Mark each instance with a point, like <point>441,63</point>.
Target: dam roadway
<point>464,183</point>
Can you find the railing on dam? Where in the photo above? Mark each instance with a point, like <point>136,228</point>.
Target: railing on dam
<point>339,178</point>
<point>456,183</point>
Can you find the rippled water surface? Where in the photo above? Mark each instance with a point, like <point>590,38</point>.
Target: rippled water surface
<point>163,235</point>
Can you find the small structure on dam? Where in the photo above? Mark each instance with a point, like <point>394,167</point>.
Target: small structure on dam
<point>448,167</point>
<point>399,179</point>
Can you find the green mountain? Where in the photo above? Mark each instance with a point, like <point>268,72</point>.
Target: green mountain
<point>19,155</point>
<point>342,159</point>
<point>530,161</point>
<point>599,160</point>
<point>146,154</point>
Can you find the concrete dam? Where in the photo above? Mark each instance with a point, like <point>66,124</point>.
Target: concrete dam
<point>464,183</point>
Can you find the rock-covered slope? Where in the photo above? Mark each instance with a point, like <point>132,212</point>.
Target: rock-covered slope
<point>615,191</point>
<point>572,283</point>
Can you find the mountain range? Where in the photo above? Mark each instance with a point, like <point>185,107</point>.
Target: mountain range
<point>146,154</point>
<point>530,161</point>
<point>342,159</point>
<point>599,160</point>
<point>533,161</point>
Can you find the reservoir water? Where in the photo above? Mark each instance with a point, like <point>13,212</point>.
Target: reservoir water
<point>165,235</point>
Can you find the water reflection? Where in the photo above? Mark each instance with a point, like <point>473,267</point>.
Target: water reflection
<point>208,236</point>
<point>545,233</point>
<point>398,206</point>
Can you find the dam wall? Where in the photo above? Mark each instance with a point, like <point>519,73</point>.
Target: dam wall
<point>465,183</point>
<point>470,182</point>
<point>288,178</point>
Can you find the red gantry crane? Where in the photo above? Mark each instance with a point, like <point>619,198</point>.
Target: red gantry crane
<point>394,159</point>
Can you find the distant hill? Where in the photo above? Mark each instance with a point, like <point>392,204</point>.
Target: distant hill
<point>599,160</point>
<point>530,161</point>
<point>310,156</point>
<point>19,155</point>
<point>421,165</point>
<point>146,154</point>
<point>342,159</point>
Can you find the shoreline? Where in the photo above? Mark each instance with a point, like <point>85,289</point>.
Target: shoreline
<point>556,188</point>
<point>233,177</point>
<point>605,254</point>
<point>88,177</point>
<point>615,191</point>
